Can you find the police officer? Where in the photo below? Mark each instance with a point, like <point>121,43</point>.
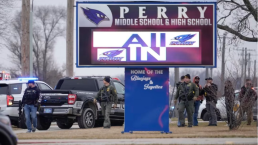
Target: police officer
<point>187,94</point>
<point>177,86</point>
<point>106,96</point>
<point>30,103</point>
<point>210,93</point>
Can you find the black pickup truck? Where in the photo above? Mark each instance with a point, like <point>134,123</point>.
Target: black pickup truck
<point>72,101</point>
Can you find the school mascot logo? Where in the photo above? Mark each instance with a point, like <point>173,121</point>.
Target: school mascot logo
<point>112,55</point>
<point>90,15</point>
<point>95,16</point>
<point>183,40</point>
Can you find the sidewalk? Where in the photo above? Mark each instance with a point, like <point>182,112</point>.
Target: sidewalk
<point>206,141</point>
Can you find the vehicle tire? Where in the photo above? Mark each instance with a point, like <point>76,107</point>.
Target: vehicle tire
<point>5,138</point>
<point>87,119</point>
<point>206,117</point>
<point>65,124</point>
<point>22,121</point>
<point>43,123</point>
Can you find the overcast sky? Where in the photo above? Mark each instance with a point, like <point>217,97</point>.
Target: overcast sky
<point>60,49</point>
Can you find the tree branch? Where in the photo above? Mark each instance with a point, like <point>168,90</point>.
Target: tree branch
<point>230,30</point>
<point>251,9</point>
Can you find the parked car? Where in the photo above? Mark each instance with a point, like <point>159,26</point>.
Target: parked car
<point>220,108</point>
<point>72,101</point>
<point>11,92</point>
<point>7,136</point>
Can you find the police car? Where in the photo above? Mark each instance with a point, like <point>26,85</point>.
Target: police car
<point>11,92</point>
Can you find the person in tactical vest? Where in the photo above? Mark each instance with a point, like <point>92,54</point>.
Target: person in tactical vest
<point>187,93</point>
<point>30,103</point>
<point>107,95</point>
<point>210,93</point>
<point>177,86</point>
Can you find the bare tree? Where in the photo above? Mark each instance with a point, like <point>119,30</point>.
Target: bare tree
<point>239,17</point>
<point>5,8</point>
<point>13,43</point>
<point>48,28</point>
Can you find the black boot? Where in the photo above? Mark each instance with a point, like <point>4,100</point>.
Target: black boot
<point>182,125</point>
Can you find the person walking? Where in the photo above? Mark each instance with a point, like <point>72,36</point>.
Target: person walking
<point>107,95</point>
<point>197,103</point>
<point>30,103</point>
<point>229,101</point>
<point>187,93</point>
<point>210,93</point>
<point>247,98</point>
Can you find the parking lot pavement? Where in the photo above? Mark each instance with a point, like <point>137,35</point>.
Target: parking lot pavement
<point>53,127</point>
<point>201,141</point>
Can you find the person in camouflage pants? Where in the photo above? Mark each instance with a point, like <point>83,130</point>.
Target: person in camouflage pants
<point>107,95</point>
<point>187,93</point>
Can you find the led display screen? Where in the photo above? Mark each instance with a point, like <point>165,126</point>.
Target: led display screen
<point>146,34</point>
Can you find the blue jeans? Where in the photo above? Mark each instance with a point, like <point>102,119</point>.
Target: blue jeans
<point>196,110</point>
<point>178,123</point>
<point>30,111</point>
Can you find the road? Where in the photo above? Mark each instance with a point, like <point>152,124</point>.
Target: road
<point>201,141</point>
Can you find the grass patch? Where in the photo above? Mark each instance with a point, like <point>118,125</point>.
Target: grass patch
<point>201,131</point>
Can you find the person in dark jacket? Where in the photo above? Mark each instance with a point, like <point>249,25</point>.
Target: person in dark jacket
<point>210,93</point>
<point>247,98</point>
<point>197,103</point>
<point>229,101</point>
<point>30,103</point>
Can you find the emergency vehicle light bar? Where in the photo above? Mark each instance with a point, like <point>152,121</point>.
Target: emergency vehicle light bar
<point>27,79</point>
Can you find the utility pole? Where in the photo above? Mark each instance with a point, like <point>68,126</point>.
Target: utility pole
<point>249,66</point>
<point>69,38</point>
<point>176,74</point>
<point>31,42</point>
<point>207,72</point>
<point>245,63</point>
<point>25,43</point>
<point>223,63</point>
<point>255,73</point>
<point>211,72</point>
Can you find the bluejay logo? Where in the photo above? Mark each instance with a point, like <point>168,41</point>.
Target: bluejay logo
<point>95,16</point>
<point>183,40</point>
<point>111,55</point>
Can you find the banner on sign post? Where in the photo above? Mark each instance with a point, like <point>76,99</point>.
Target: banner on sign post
<point>146,99</point>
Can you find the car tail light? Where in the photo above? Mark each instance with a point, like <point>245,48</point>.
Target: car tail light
<point>76,78</point>
<point>116,79</point>
<point>71,98</point>
<point>9,99</point>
